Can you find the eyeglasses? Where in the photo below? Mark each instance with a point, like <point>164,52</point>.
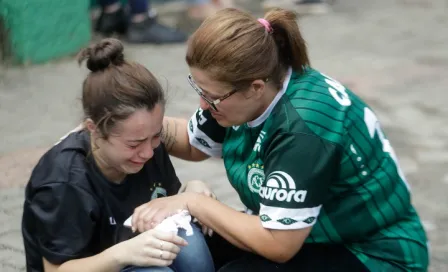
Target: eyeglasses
<point>209,101</point>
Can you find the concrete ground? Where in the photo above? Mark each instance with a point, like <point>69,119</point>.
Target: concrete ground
<point>393,53</point>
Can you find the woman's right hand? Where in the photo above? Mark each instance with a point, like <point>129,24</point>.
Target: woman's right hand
<point>150,248</point>
<point>200,187</point>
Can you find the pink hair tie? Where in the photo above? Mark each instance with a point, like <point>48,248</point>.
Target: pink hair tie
<point>266,25</point>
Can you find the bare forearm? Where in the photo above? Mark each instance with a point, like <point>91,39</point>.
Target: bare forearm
<point>105,261</point>
<point>175,138</point>
<point>242,230</point>
<point>246,231</point>
<point>173,135</point>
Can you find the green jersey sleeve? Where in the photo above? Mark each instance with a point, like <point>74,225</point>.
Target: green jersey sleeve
<point>299,168</point>
<point>205,133</point>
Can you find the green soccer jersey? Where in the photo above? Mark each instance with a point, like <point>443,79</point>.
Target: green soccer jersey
<point>318,157</point>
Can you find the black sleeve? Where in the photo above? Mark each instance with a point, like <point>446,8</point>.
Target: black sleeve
<point>63,217</point>
<point>171,181</point>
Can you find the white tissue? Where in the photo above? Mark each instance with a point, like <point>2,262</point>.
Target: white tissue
<point>172,223</point>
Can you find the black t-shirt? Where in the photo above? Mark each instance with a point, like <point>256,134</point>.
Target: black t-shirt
<point>72,211</point>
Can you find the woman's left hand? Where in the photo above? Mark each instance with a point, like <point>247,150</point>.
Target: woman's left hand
<point>150,214</point>
<point>197,186</point>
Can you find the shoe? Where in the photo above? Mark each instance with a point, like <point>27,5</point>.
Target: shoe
<point>150,31</point>
<point>110,23</point>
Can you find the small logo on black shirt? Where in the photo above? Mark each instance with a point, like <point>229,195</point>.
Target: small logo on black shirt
<point>158,191</point>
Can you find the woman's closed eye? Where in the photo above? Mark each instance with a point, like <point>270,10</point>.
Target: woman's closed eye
<point>212,97</point>
<point>133,146</point>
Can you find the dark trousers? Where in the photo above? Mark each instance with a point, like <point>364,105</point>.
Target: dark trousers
<point>136,6</point>
<point>311,258</point>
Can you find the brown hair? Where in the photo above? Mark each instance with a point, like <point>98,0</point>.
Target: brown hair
<point>232,46</point>
<point>115,88</point>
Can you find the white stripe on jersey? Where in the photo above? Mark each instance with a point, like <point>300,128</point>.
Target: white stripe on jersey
<point>298,218</point>
<point>214,149</point>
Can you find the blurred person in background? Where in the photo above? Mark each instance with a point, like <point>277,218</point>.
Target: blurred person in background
<point>198,10</point>
<point>301,7</point>
<point>140,25</point>
<point>201,9</point>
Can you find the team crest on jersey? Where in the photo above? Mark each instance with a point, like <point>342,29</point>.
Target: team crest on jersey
<point>157,191</point>
<point>255,176</point>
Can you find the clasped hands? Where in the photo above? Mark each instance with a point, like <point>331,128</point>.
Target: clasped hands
<point>153,247</point>
<point>150,214</point>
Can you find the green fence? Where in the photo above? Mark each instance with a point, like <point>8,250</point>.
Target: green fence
<point>36,31</point>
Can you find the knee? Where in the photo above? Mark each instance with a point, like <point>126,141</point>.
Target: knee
<point>196,242</point>
<point>195,255</point>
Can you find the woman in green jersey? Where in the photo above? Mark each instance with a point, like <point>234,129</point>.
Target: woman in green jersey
<point>307,156</point>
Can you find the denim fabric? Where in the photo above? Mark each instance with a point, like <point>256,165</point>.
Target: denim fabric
<point>195,257</point>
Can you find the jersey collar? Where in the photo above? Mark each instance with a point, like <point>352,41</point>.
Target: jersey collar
<point>274,102</point>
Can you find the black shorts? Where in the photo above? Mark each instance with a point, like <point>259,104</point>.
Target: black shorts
<point>311,258</point>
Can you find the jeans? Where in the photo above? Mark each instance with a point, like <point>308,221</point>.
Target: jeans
<point>147,269</point>
<point>195,257</point>
<point>136,6</point>
<point>197,2</point>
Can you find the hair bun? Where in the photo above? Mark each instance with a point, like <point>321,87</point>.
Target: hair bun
<point>102,54</point>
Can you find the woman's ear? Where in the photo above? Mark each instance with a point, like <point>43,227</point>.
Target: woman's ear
<point>257,89</point>
<point>90,126</point>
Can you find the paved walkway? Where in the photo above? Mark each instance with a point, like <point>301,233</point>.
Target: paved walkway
<point>393,53</point>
